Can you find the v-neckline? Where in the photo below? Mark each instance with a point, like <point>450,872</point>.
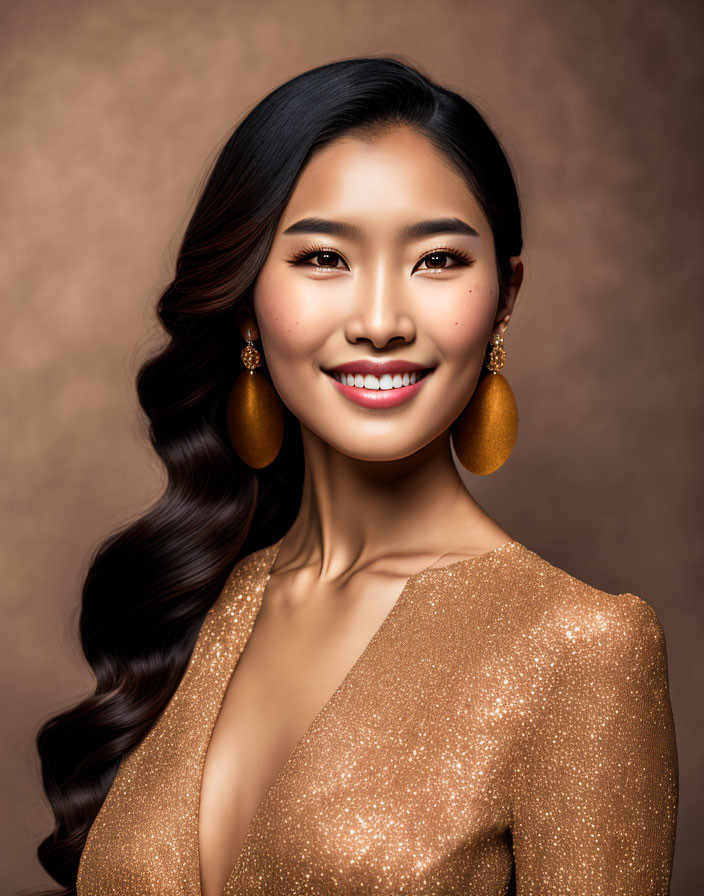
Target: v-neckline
<point>258,586</point>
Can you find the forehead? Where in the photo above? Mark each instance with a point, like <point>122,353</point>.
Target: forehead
<point>382,182</point>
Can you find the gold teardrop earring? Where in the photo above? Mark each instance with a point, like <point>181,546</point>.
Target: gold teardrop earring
<point>255,413</point>
<point>485,432</point>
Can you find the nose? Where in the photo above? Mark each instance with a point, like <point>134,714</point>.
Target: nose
<point>381,311</point>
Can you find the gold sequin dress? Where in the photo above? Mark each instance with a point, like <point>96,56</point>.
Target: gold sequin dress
<point>508,729</point>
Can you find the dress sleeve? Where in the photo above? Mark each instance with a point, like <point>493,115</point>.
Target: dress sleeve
<point>595,794</point>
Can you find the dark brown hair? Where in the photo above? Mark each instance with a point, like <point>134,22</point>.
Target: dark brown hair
<point>149,586</point>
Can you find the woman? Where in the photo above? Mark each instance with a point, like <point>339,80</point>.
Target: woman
<point>321,666</point>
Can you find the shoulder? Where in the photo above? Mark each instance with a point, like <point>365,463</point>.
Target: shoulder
<point>574,618</point>
<point>246,578</point>
<point>597,665</point>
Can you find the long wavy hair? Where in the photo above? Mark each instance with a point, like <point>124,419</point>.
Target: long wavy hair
<point>149,586</point>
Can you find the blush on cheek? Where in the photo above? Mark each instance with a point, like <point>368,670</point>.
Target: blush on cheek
<point>287,305</point>
<point>290,337</point>
<point>278,316</point>
<point>465,325</point>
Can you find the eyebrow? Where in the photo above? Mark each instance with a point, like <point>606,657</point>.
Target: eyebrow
<point>417,231</point>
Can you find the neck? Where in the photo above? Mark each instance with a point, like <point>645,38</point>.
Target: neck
<point>354,512</point>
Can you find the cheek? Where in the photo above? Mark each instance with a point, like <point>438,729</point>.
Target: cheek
<point>291,322</point>
<point>463,323</point>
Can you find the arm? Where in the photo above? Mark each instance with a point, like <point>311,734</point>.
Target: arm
<point>595,795</point>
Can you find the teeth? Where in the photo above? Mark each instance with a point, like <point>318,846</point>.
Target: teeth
<point>386,381</point>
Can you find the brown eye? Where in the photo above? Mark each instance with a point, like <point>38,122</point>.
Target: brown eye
<point>326,259</point>
<point>437,260</point>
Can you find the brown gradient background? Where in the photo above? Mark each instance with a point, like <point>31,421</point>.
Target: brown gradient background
<point>112,113</point>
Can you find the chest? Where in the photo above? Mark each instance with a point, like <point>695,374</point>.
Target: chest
<point>293,662</point>
<point>398,784</point>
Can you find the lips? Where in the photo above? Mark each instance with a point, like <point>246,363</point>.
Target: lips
<point>375,384</point>
<point>384,382</point>
<point>377,368</point>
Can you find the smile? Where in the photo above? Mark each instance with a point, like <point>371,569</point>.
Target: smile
<point>386,381</point>
<point>385,391</point>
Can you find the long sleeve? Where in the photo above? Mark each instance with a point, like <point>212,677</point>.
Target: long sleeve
<point>596,792</point>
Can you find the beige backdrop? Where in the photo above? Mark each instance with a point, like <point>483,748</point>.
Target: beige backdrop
<point>112,112</point>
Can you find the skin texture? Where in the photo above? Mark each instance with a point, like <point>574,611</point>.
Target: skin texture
<point>382,497</point>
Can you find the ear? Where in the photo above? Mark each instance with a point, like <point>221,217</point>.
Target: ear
<point>505,309</point>
<point>246,322</point>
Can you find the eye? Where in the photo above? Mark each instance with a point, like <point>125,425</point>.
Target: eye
<point>327,257</point>
<point>437,259</point>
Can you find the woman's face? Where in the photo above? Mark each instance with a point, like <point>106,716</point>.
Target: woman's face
<point>358,286</point>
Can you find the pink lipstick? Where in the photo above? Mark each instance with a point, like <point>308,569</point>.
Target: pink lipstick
<point>379,384</point>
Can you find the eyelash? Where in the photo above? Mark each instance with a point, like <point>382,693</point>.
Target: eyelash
<point>456,255</point>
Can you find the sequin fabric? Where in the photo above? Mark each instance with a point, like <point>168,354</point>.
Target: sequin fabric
<point>508,729</point>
